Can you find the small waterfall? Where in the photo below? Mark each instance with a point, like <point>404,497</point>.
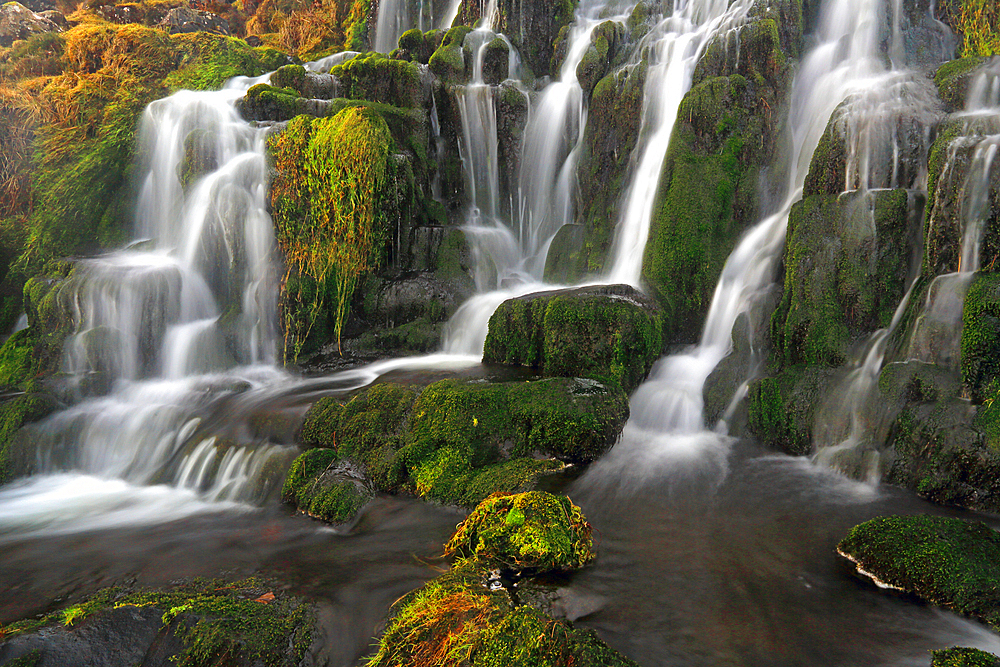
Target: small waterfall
<point>674,47</point>
<point>165,328</point>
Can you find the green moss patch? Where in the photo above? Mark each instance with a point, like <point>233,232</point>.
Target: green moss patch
<point>963,657</point>
<point>948,562</point>
<point>534,531</point>
<point>981,337</point>
<point>218,622</point>
<point>612,333</point>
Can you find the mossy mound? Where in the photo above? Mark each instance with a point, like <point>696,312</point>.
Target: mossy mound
<point>458,441</point>
<point>448,62</point>
<point>248,622</point>
<point>952,80</point>
<point>781,409</point>
<point>17,457</point>
<point>378,78</point>
<point>611,333</point>
<point>963,657</point>
<point>456,620</point>
<point>948,562</point>
<point>319,487</point>
<point>527,531</point>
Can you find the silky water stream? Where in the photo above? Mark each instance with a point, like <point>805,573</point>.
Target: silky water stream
<point>710,551</point>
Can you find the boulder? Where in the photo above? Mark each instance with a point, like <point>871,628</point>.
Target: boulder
<point>963,657</point>
<point>185,19</point>
<point>533,531</point>
<point>951,563</point>
<point>19,22</point>
<point>609,332</point>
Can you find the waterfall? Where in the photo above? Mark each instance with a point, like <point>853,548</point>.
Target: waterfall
<point>174,329</point>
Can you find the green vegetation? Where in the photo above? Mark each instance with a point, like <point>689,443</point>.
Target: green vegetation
<point>330,174</point>
<point>314,486</point>
<point>964,657</point>
<point>218,622</point>
<point>15,412</point>
<point>612,334</point>
<point>527,531</point>
<point>948,562</point>
<point>976,22</point>
<point>781,409</point>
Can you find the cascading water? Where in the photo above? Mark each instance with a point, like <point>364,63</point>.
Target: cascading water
<point>157,329</point>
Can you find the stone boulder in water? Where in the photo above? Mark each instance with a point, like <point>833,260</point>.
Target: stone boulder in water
<point>454,441</point>
<point>611,333</point>
<point>479,613</point>
<point>951,563</point>
<point>19,22</point>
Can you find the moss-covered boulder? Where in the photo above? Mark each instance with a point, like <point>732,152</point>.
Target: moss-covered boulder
<point>458,441</point>
<point>607,45</point>
<point>534,531</point>
<point>949,562</point>
<point>608,332</point>
<point>963,657</point>
<point>242,623</point>
<point>324,487</point>
<point>953,78</point>
<point>449,62</point>
<point>458,619</point>
<point>378,78</point>
<point>17,456</point>
<point>781,409</point>
<point>846,264</point>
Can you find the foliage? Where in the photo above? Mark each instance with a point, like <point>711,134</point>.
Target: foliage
<point>310,29</point>
<point>330,173</point>
<point>964,657</point>
<point>977,22</point>
<point>981,337</point>
<point>208,60</point>
<point>949,562</point>
<point>536,531</point>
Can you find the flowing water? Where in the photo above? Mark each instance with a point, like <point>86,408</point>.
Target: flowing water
<point>710,552</point>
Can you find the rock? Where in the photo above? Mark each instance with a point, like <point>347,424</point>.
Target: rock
<point>953,78</point>
<point>846,267</point>
<point>470,609</point>
<point>17,453</point>
<point>608,332</point>
<point>459,441</point>
<point>377,78</point>
<point>534,531</point>
<point>951,563</point>
<point>781,409</point>
<point>243,623</point>
<point>981,337</point>
<point>185,19</point>
<point>606,44</point>
<point>310,85</point>
<point>562,264</point>
<point>56,17</point>
<point>325,488</point>
<point>448,62</point>
<point>19,22</point>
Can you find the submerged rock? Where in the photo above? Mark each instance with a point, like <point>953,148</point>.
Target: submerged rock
<point>949,562</point>
<point>611,333</point>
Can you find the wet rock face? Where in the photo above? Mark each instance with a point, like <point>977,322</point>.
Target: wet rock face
<point>19,22</point>
<point>610,332</point>
<point>184,19</point>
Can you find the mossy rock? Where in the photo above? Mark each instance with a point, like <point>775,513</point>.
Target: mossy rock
<point>457,442</point>
<point>448,60</point>
<point>324,490</point>
<point>963,657</point>
<point>563,263</point>
<point>378,78</point>
<point>981,337</point>
<point>607,43</point>
<point>845,270</point>
<point>952,80</point>
<point>708,194</point>
<point>781,409</point>
<point>951,563</point>
<point>456,619</point>
<point>610,333</point>
<point>247,622</point>
<point>17,455</point>
<point>534,531</point>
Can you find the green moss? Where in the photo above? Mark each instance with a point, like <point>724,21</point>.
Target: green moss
<point>981,337</point>
<point>963,657</point>
<point>378,78</point>
<point>949,562</point>
<point>454,620</point>
<point>208,60</point>
<point>845,267</point>
<point>217,622</point>
<point>534,531</point>
<point>314,486</point>
<point>611,333</point>
<point>448,61</point>
<point>952,80</point>
<point>16,457</point>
